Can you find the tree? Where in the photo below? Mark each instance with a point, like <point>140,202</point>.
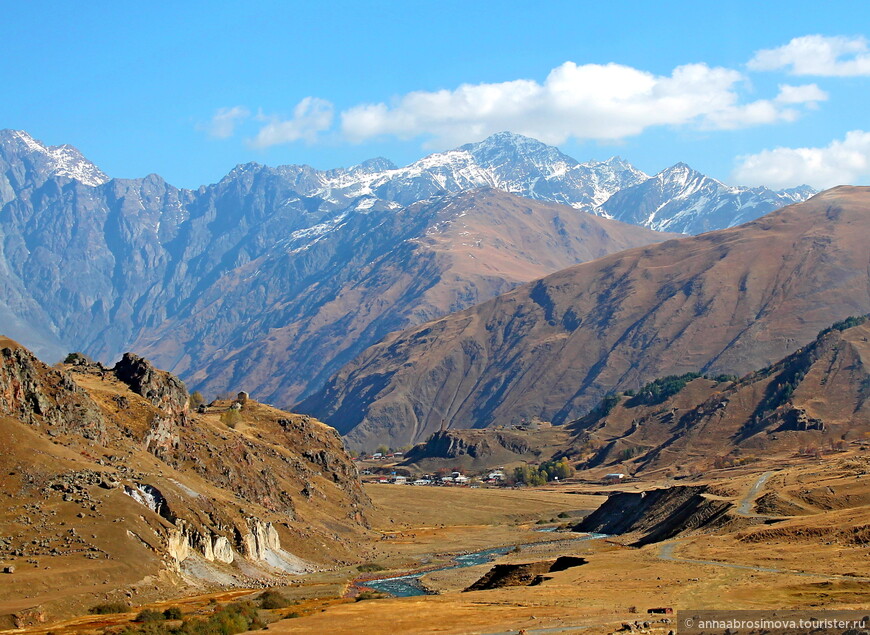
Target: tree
<point>196,399</point>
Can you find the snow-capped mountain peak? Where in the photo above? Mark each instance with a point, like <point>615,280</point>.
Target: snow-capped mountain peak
<point>681,199</point>
<point>63,160</point>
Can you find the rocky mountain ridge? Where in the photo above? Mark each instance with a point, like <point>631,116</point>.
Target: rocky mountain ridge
<point>114,489</point>
<point>812,401</point>
<point>241,284</point>
<point>680,199</point>
<point>141,264</point>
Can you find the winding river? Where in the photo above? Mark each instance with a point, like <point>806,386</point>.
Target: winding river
<point>409,584</point>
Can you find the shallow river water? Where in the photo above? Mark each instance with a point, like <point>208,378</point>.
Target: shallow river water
<point>409,584</point>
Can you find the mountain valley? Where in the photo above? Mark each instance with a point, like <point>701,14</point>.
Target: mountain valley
<point>584,424</point>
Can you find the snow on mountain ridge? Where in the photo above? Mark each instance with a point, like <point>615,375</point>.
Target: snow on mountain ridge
<point>681,199</point>
<point>63,160</point>
<point>676,199</point>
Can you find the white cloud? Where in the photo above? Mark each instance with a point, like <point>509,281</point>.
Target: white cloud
<point>225,120</point>
<point>835,56</point>
<point>841,162</point>
<point>310,117</point>
<point>807,93</point>
<point>591,101</point>
<point>766,111</point>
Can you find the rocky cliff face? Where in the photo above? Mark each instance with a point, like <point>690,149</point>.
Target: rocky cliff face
<point>108,476</point>
<point>660,514</point>
<point>45,398</point>
<point>724,302</point>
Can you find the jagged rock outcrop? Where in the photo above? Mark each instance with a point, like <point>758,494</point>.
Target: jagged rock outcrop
<point>471,449</point>
<point>45,397</point>
<point>525,574</point>
<point>162,389</point>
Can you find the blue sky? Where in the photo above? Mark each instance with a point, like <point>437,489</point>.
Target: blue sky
<point>747,92</point>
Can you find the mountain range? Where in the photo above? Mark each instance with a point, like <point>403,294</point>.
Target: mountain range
<point>724,302</point>
<point>274,277</point>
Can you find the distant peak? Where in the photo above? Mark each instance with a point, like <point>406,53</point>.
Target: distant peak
<point>503,146</point>
<point>377,164</point>
<point>679,169</point>
<point>24,140</point>
<point>243,168</point>
<point>63,160</point>
<point>507,139</point>
<point>682,167</point>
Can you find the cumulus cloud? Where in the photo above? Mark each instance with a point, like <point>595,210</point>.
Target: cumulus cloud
<point>827,56</point>
<point>841,162</point>
<point>587,102</point>
<point>225,120</point>
<point>310,117</point>
<point>806,94</point>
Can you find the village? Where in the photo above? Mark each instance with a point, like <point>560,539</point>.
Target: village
<point>455,478</point>
<point>387,468</point>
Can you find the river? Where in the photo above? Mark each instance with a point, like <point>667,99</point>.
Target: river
<point>409,584</point>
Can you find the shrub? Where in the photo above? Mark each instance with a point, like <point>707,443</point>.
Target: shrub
<point>608,404</point>
<point>272,600</point>
<point>149,615</point>
<point>660,389</point>
<point>77,358</point>
<point>231,418</point>
<point>108,608</point>
<point>173,613</point>
<point>369,595</point>
<point>725,378</point>
<point>368,567</point>
<point>848,323</point>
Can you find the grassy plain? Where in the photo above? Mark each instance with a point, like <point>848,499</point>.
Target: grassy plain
<point>815,556</point>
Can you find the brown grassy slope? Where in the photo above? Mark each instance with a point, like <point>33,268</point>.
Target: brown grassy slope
<point>82,455</point>
<point>818,397</point>
<point>724,302</point>
<point>280,325</point>
<point>803,556</point>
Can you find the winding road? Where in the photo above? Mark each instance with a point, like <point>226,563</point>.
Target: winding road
<point>745,506</point>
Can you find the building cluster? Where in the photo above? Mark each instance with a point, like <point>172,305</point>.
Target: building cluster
<point>456,477</point>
